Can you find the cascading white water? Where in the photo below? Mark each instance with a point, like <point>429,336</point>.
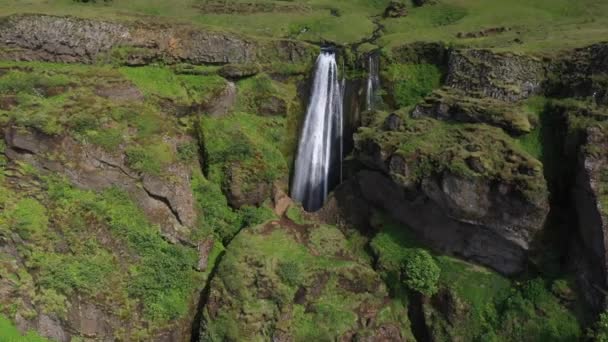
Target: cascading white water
<point>373,81</point>
<point>319,158</point>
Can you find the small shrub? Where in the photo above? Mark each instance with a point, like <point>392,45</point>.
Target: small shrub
<point>252,216</point>
<point>599,332</point>
<point>420,272</point>
<point>290,273</point>
<point>187,152</point>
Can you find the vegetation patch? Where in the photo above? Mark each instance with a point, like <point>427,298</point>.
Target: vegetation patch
<point>286,286</point>
<point>487,306</point>
<point>411,82</point>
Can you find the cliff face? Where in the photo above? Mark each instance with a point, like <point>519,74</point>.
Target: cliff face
<point>506,77</point>
<point>467,203</point>
<point>137,193</point>
<point>65,39</point>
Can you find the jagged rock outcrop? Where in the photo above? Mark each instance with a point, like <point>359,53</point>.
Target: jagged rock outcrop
<point>395,9</point>
<point>503,76</point>
<point>167,203</point>
<point>453,105</point>
<point>590,196</point>
<point>580,73</point>
<point>223,103</point>
<point>68,39</point>
<point>465,190</point>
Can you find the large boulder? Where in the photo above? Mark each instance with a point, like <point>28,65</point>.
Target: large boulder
<point>467,190</point>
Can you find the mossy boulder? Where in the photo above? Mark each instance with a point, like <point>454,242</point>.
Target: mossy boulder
<point>476,184</point>
<point>453,105</point>
<point>298,281</point>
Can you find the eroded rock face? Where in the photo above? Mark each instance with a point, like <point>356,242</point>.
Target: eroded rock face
<point>590,197</point>
<point>223,103</point>
<point>483,73</point>
<point>581,73</point>
<point>473,194</point>
<point>458,229</point>
<point>167,203</point>
<point>67,39</point>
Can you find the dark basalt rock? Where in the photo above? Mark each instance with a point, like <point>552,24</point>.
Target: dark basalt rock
<point>484,202</point>
<point>238,71</point>
<point>590,195</point>
<point>395,9</point>
<point>580,73</point>
<point>424,2</point>
<point>392,122</point>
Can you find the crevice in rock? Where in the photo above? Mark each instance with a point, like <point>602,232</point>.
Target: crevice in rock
<point>166,202</point>
<point>195,330</point>
<point>114,166</point>
<point>415,312</point>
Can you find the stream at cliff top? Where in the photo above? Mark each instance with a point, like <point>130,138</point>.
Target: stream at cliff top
<point>319,159</point>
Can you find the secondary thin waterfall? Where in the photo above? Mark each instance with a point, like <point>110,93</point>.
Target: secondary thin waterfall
<point>373,81</point>
<point>319,158</point>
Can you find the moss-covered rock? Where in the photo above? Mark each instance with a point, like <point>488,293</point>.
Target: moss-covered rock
<point>502,76</point>
<point>474,181</point>
<point>298,281</point>
<point>453,105</point>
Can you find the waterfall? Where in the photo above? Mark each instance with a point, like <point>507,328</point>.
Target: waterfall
<point>319,159</point>
<point>373,81</point>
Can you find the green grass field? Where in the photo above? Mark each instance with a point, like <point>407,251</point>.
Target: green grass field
<point>533,26</point>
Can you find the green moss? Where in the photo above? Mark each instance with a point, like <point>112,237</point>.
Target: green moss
<point>30,219</point>
<point>9,333</point>
<point>164,83</point>
<point>495,308</point>
<point>283,262</point>
<point>410,83</point>
<point>431,146</point>
<point>218,218</point>
<point>295,213</point>
<point>38,84</point>
<point>246,140</point>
